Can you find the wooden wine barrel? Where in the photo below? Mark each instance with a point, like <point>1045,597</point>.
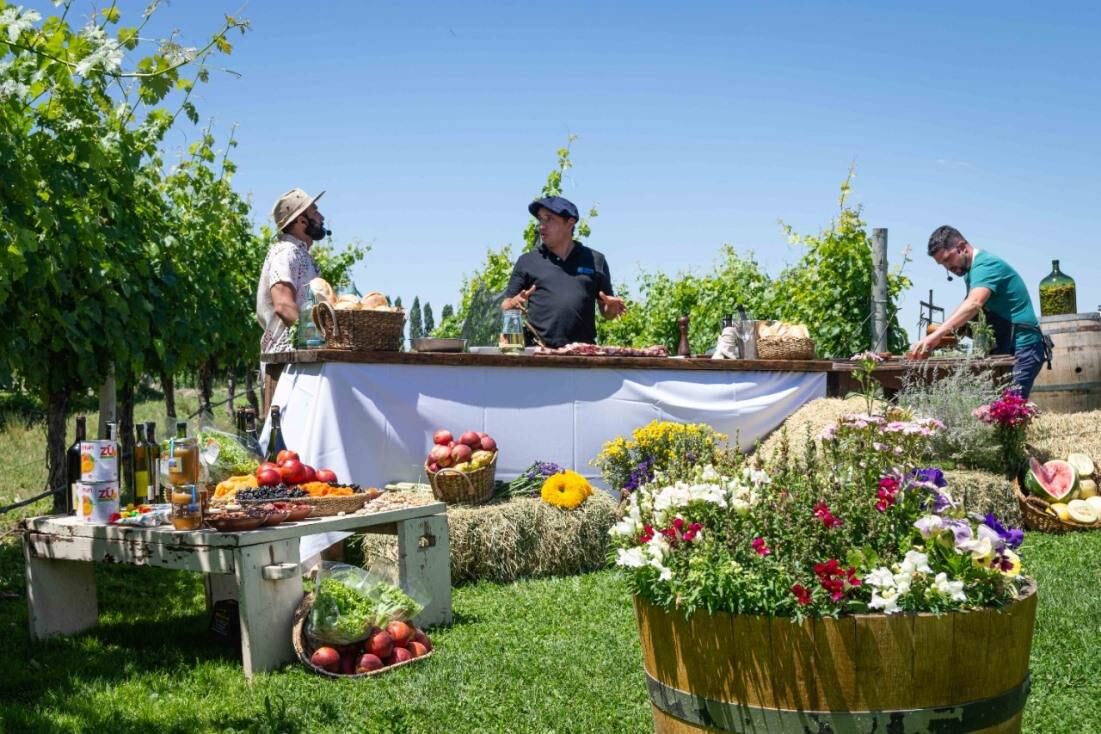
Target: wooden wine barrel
<point>958,672</point>
<point>1073,383</point>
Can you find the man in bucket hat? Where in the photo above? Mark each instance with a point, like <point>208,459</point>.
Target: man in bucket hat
<point>285,277</point>
<point>562,281</point>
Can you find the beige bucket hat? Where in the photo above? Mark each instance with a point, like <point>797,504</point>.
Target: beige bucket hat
<point>290,205</point>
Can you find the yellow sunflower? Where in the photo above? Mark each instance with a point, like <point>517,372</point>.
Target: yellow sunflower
<point>566,489</point>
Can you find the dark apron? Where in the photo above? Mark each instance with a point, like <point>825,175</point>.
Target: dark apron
<point>1005,335</point>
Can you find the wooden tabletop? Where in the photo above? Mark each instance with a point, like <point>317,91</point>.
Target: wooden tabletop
<point>62,526</point>
<point>468,359</point>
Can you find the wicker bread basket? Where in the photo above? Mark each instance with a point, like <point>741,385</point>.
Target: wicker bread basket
<point>456,487</point>
<point>304,645</point>
<point>785,347</point>
<point>321,506</point>
<point>1035,515</point>
<point>360,330</point>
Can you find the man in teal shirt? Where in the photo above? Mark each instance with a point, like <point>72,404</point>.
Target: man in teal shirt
<point>996,289</point>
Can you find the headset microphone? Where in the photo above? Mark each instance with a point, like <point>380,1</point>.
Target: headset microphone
<point>950,278</point>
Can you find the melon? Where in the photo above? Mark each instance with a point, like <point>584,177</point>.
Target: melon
<point>1082,464</point>
<point>1095,503</point>
<point>1081,512</point>
<point>1055,481</point>
<point>1086,488</point>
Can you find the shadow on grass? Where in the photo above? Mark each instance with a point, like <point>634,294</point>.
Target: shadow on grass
<point>151,622</point>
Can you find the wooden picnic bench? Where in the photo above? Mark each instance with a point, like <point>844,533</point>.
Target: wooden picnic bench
<point>261,568</point>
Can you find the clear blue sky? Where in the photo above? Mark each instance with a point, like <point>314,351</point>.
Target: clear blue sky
<point>432,124</point>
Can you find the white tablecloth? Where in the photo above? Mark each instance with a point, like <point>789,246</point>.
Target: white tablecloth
<point>373,423</point>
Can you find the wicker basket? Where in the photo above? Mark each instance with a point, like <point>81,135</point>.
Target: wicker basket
<point>785,347</point>
<point>456,487</point>
<point>304,645</point>
<point>320,506</point>
<point>360,331</point>
<point>1035,515</point>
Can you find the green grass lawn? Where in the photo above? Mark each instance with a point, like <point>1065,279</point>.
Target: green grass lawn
<point>556,655</point>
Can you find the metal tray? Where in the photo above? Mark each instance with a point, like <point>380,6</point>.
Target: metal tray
<point>434,344</point>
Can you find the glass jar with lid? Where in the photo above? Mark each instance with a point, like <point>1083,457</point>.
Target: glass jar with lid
<point>512,331</point>
<point>1058,294</point>
<point>187,507</point>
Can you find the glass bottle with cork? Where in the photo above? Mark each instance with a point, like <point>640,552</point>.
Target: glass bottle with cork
<point>153,456</point>
<point>72,464</point>
<point>1058,294</point>
<point>275,438</point>
<point>140,464</point>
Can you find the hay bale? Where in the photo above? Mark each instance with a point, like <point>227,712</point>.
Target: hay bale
<point>983,492</point>
<point>1055,435</point>
<point>521,537</point>
<point>816,415</point>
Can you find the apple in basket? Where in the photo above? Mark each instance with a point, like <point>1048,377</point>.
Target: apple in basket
<point>368,662</point>
<point>399,655</point>
<point>422,639</point>
<point>442,437</point>
<point>488,443</point>
<point>417,649</point>
<point>440,455</point>
<point>400,632</point>
<point>379,644</point>
<point>471,439</point>
<point>326,658</point>
<point>461,453</point>
<point>326,475</point>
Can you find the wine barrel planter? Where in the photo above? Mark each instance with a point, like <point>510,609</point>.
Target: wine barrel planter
<point>900,673</point>
<point>1073,384</point>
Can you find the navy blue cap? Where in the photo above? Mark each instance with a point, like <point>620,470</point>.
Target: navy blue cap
<point>555,204</point>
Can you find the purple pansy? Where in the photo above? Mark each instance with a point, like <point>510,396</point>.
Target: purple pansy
<point>1013,537</point>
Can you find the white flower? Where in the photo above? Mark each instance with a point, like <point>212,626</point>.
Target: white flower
<point>12,88</point>
<point>628,527</point>
<point>981,549</point>
<point>17,21</point>
<point>880,577</point>
<point>915,562</point>
<point>885,599</point>
<point>709,474</point>
<point>929,525</point>
<point>951,589</point>
<point>631,557</point>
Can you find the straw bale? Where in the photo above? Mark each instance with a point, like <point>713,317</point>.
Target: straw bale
<point>1055,435</point>
<point>982,492</point>
<point>816,414</point>
<point>521,537</point>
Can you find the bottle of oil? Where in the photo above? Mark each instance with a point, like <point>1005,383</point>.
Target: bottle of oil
<point>153,456</point>
<point>275,439</point>
<point>141,467</point>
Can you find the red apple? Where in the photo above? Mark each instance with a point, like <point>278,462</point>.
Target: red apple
<point>268,477</point>
<point>461,453</point>
<point>266,465</point>
<point>286,455</point>
<point>368,662</point>
<point>416,649</point>
<point>481,434</point>
<point>400,632</point>
<point>310,474</point>
<point>399,655</point>
<point>440,455</point>
<point>433,467</point>
<point>293,471</point>
<point>326,475</point>
<point>442,437</point>
<point>470,438</point>
<point>379,644</point>
<point>420,637</point>
<point>488,444</point>
<point>326,658</point>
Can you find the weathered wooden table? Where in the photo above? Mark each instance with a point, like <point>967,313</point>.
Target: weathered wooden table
<point>261,567</point>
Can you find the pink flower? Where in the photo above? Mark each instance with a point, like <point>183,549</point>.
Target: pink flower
<point>760,547</point>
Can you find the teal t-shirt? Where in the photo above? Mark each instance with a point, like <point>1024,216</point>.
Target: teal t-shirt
<point>1008,294</point>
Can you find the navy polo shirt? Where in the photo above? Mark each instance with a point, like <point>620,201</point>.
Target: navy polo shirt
<point>563,306</point>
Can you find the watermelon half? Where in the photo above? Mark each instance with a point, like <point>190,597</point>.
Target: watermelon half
<point>1055,481</point>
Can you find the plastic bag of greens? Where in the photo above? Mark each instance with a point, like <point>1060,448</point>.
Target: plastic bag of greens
<point>342,611</point>
<point>390,600</point>
<point>227,455</point>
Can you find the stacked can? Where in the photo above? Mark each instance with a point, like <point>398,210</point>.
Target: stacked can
<point>96,495</point>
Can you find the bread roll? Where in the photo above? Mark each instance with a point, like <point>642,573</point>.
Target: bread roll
<point>374,300</point>
<point>322,291</point>
<point>352,305</point>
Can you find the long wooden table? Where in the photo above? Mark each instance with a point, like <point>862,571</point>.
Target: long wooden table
<point>261,566</point>
<point>839,372</point>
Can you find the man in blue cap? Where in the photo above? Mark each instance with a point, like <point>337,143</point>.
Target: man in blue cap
<point>562,281</point>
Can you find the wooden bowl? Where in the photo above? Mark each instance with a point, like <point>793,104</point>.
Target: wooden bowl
<point>299,512</point>
<point>235,522</point>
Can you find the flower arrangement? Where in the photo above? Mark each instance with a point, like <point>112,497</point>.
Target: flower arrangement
<point>567,490</point>
<point>868,529</point>
<point>530,482</point>
<point>1010,415</point>
<point>655,447</point>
